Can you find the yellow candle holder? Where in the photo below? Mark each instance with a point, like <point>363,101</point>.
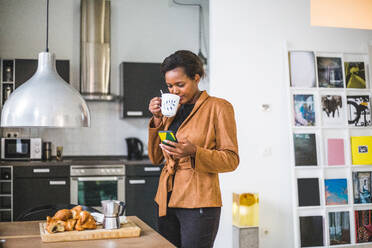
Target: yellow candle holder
<point>245,209</point>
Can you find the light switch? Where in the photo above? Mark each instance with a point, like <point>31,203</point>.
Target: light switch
<point>265,107</point>
<point>267,151</point>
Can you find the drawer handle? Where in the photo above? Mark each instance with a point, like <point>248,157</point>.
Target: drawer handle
<point>57,182</point>
<point>134,113</point>
<point>90,179</point>
<point>141,181</point>
<point>41,170</point>
<point>152,168</point>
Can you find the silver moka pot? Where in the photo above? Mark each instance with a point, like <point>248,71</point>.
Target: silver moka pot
<point>112,209</point>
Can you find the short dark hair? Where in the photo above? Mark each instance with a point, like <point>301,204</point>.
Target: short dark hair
<point>185,59</point>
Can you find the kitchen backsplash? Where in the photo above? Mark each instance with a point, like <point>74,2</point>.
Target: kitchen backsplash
<point>106,136</point>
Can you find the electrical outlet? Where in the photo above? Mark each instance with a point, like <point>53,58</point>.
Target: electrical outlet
<point>11,134</point>
<point>267,151</point>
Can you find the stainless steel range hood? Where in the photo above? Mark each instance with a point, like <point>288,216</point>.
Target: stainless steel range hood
<point>95,50</point>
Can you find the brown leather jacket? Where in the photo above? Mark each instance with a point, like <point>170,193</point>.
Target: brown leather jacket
<point>211,127</point>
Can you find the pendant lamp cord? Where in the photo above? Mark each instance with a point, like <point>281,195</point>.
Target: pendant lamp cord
<point>47,26</point>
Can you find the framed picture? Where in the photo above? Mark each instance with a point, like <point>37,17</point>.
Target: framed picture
<point>355,75</point>
<point>336,191</point>
<point>305,149</point>
<point>339,228</point>
<point>332,110</point>
<point>363,226</point>
<point>302,69</point>
<point>362,187</point>
<point>304,113</point>
<point>330,72</point>
<point>359,110</point>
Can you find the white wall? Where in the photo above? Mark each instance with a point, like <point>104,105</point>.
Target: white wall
<point>247,67</point>
<point>141,31</point>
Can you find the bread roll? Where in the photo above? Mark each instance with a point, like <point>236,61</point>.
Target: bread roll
<point>90,223</point>
<point>76,212</point>
<point>63,214</point>
<point>84,215</point>
<point>70,224</point>
<point>56,226</point>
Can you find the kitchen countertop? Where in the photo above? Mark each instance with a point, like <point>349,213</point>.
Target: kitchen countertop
<point>27,234</point>
<point>79,160</point>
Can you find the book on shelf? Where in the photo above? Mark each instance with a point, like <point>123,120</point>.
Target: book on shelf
<point>308,192</point>
<point>363,226</point>
<point>359,110</point>
<point>305,149</point>
<point>339,228</point>
<point>304,112</point>
<point>311,231</point>
<point>302,69</point>
<point>330,72</point>
<point>361,150</point>
<point>332,110</point>
<point>335,151</point>
<point>355,75</point>
<point>362,187</point>
<point>336,191</point>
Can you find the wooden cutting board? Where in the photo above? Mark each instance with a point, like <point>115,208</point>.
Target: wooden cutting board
<point>126,230</point>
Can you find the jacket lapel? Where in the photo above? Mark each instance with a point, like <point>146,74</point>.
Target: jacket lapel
<point>168,120</point>
<point>203,97</point>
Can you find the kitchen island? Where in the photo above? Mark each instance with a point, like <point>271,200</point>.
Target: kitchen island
<point>27,234</point>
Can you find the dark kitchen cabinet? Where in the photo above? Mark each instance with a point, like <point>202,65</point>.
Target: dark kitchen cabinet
<point>26,68</point>
<point>6,193</point>
<point>37,186</point>
<point>140,188</point>
<point>140,82</point>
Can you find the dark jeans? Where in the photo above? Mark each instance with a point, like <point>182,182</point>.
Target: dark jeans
<point>190,228</point>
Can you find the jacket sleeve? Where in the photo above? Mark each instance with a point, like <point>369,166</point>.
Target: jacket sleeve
<point>225,157</point>
<point>155,153</point>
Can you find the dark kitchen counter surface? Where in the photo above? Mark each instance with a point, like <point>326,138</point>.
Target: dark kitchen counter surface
<point>79,160</point>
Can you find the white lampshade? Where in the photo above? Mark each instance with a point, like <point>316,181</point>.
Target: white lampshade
<point>45,100</point>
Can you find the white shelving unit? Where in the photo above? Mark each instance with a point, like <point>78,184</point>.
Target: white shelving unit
<point>322,132</point>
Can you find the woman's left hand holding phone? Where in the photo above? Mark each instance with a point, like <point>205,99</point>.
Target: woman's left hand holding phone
<point>180,149</point>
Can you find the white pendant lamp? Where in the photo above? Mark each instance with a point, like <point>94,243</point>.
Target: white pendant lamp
<point>45,100</point>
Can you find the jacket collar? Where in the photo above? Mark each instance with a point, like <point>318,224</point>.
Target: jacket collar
<point>203,97</point>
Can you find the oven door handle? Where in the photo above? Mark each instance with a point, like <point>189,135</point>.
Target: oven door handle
<point>85,179</point>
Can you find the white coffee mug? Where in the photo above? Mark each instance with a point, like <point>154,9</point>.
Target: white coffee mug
<point>169,104</point>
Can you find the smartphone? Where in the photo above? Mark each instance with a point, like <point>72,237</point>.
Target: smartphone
<point>167,135</point>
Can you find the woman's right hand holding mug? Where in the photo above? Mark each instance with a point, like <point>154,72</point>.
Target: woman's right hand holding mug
<point>155,109</point>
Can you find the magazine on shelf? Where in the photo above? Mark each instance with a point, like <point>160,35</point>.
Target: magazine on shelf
<point>363,226</point>
<point>359,110</point>
<point>361,150</point>
<point>330,72</point>
<point>339,228</point>
<point>304,113</point>
<point>355,75</point>
<point>332,110</point>
<point>335,151</point>
<point>305,149</point>
<point>311,231</point>
<point>362,187</point>
<point>308,192</point>
<point>302,69</point>
<point>336,191</point>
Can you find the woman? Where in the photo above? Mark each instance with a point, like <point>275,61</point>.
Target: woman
<point>188,194</point>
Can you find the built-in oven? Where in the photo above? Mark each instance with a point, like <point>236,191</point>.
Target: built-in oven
<point>92,184</point>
